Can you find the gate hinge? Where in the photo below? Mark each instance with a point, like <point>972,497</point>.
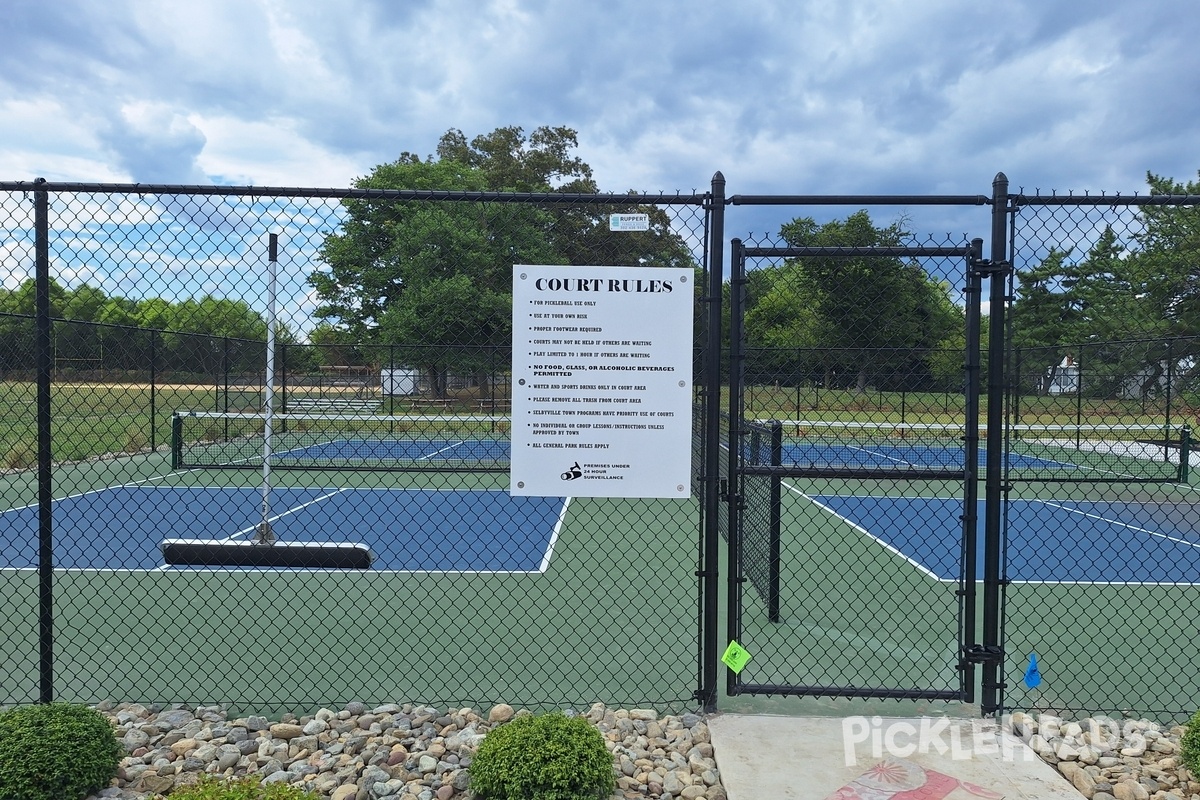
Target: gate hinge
<point>983,654</point>
<point>984,266</point>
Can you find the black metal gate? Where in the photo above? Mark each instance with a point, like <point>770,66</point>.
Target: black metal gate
<point>854,463</point>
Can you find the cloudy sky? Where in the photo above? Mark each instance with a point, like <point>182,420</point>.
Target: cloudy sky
<point>795,96</point>
<point>782,96</point>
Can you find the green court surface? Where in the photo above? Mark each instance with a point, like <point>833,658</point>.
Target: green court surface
<point>613,616</point>
<point>853,613</point>
<point>861,606</point>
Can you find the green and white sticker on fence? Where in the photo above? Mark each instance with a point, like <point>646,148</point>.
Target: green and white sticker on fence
<point>735,657</point>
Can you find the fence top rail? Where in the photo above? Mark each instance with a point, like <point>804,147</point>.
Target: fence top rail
<point>678,198</point>
<point>859,199</point>
<point>1105,200</point>
<point>797,252</point>
<point>87,323</point>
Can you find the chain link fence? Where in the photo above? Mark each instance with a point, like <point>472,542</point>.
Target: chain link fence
<point>384,407</point>
<point>849,412</point>
<point>905,483</point>
<point>1102,358</point>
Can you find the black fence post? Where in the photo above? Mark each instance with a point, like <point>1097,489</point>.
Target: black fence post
<point>993,665</point>
<point>775,524</point>
<point>737,366</point>
<point>283,380</point>
<point>41,223</point>
<point>970,518</point>
<point>153,391</point>
<point>1018,389</point>
<point>1170,380</point>
<point>1079,397</point>
<point>710,541</point>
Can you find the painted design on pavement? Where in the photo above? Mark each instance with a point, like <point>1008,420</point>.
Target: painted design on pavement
<point>897,779</point>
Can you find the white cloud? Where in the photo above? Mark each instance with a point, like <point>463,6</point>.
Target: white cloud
<point>271,153</point>
<point>814,97</point>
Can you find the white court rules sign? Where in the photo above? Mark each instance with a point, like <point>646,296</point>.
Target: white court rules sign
<point>602,381</point>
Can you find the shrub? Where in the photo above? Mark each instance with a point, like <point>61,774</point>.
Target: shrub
<point>135,441</point>
<point>55,752</point>
<point>551,757</point>
<point>1189,746</point>
<point>247,788</point>
<point>21,456</point>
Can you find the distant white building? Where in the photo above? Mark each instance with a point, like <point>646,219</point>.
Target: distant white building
<point>1159,380</point>
<point>1062,378</point>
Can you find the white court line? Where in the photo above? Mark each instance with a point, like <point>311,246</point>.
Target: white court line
<point>291,510</point>
<point>542,567</point>
<point>546,556</point>
<point>562,516</point>
<point>1117,523</point>
<point>1120,524</point>
<point>868,534</point>
<point>135,484</point>
<point>443,450</point>
<point>879,454</point>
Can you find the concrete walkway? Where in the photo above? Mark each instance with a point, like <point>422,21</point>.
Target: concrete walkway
<point>872,758</point>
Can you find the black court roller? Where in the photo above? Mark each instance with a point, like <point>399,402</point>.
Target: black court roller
<point>296,555</point>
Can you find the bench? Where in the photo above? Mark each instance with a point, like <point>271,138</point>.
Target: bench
<point>430,402</point>
<point>498,404</point>
<point>303,405</point>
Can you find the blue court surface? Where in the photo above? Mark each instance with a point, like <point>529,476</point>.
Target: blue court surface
<point>1053,541</point>
<point>407,530</point>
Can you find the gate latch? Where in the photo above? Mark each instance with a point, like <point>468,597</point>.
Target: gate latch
<point>983,654</point>
<point>984,266</point>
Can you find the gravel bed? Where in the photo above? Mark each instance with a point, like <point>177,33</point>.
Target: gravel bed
<point>1108,759</point>
<point>411,752</point>
<point>405,752</point>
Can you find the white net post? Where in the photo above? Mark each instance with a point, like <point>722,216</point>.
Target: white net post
<point>264,535</point>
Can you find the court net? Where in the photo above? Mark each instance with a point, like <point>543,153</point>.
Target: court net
<point>448,443</point>
<point>1071,453</point>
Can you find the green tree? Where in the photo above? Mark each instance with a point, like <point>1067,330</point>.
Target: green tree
<point>79,344</point>
<point>508,161</point>
<point>877,318</point>
<point>17,327</point>
<point>1168,266</point>
<point>209,335</point>
<point>460,324</point>
<point>580,234</point>
<point>1100,311</point>
<point>394,267</point>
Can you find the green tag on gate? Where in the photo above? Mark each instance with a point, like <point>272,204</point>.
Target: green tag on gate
<point>735,657</point>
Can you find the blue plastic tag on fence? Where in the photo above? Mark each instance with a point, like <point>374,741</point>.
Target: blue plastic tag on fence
<point>1033,677</point>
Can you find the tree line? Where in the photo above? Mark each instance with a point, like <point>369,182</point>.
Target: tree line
<point>432,282</point>
<point>1126,312</point>
<point>98,332</point>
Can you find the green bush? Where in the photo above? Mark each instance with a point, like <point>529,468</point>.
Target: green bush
<point>1189,746</point>
<point>56,752</point>
<point>248,788</point>
<point>551,757</point>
